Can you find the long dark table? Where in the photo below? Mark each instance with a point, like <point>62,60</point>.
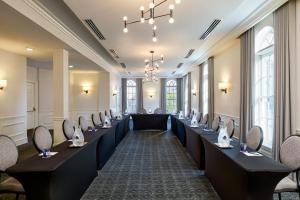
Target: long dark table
<point>179,126</point>
<point>233,174</point>
<point>237,176</point>
<point>69,173</point>
<point>150,121</point>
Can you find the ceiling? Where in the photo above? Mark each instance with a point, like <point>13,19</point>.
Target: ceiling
<point>192,18</point>
<point>19,33</point>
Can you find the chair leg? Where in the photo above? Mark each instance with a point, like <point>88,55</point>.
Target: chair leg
<point>279,195</point>
<point>17,196</point>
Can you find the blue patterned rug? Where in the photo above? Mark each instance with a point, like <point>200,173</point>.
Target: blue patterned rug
<point>150,165</point>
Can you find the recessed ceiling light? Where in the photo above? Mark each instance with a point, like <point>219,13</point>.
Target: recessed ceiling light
<point>71,66</point>
<point>29,49</point>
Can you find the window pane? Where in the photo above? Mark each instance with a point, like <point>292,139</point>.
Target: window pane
<point>171,96</point>
<point>263,85</point>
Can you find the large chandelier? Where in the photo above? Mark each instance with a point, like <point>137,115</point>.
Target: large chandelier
<point>149,15</point>
<point>152,68</point>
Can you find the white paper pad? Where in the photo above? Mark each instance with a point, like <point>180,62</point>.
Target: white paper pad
<point>223,146</point>
<point>49,154</point>
<point>252,153</point>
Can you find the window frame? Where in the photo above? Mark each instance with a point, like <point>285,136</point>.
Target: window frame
<point>261,81</point>
<point>171,88</point>
<point>131,96</point>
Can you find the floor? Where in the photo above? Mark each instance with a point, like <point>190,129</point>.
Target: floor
<point>146,165</point>
<point>150,165</point>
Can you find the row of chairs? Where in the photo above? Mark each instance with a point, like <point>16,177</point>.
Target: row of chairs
<point>42,139</point>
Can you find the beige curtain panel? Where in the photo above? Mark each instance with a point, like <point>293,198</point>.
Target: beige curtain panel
<point>284,61</point>
<point>247,63</point>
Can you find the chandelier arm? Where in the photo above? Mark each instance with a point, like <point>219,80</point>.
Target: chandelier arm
<point>164,1</point>
<point>134,22</point>
<point>159,16</point>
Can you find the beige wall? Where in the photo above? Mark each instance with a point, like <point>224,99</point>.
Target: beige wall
<point>227,69</point>
<point>298,70</point>
<point>195,86</point>
<point>13,102</point>
<point>115,84</point>
<point>151,89</point>
<point>82,104</point>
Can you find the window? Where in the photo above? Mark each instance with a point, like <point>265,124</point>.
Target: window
<point>263,84</point>
<point>171,93</point>
<point>205,88</point>
<point>131,96</point>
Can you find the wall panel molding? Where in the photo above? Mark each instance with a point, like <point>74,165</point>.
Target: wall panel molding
<point>14,127</point>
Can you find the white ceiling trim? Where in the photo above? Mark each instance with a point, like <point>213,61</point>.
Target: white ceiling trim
<point>38,14</point>
<point>216,47</point>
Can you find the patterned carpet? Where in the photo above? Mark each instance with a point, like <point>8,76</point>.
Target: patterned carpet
<point>150,165</point>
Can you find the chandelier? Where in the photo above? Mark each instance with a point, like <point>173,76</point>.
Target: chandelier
<point>149,15</point>
<point>152,68</point>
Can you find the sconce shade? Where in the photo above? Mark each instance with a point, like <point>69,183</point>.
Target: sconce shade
<point>3,84</point>
<point>194,92</point>
<point>223,87</point>
<point>85,89</point>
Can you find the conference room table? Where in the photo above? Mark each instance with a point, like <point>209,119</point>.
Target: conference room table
<point>69,173</point>
<point>233,174</point>
<point>150,121</point>
<point>179,126</point>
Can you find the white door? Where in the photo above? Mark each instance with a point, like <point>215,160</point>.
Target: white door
<point>31,107</point>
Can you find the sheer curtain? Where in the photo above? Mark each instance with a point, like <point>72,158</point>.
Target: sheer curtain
<point>139,94</point>
<point>247,63</point>
<point>162,102</point>
<point>285,66</point>
<point>124,94</point>
<point>185,94</point>
<point>179,94</point>
<point>210,90</point>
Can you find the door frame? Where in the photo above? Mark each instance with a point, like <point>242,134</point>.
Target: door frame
<point>36,103</point>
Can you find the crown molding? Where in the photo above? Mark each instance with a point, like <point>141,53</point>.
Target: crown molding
<point>45,19</point>
<point>214,47</point>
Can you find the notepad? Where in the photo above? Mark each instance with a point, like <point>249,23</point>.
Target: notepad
<point>49,154</point>
<point>252,153</point>
<point>224,146</point>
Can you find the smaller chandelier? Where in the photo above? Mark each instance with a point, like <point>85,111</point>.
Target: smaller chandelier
<point>149,15</point>
<point>152,68</point>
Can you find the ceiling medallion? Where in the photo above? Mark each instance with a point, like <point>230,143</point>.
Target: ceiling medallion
<point>152,68</point>
<point>149,15</point>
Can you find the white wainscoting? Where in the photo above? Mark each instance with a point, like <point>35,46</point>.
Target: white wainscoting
<point>74,115</point>
<point>298,132</point>
<point>14,127</point>
<point>46,118</point>
<point>226,118</point>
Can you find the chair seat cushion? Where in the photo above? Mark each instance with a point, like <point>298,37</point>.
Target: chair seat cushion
<point>286,185</point>
<point>12,185</point>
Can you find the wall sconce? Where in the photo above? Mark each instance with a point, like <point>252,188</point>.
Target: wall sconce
<point>114,93</point>
<point>85,89</point>
<point>194,92</point>
<point>223,87</point>
<point>3,84</point>
<point>150,96</point>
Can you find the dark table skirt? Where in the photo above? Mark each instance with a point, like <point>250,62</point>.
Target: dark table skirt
<point>236,176</point>
<point>181,133</point>
<point>150,121</point>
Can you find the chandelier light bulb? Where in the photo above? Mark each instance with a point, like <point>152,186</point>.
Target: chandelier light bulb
<point>178,1</point>
<point>125,30</point>
<point>154,39</point>
<point>151,21</point>
<point>171,7</point>
<point>125,18</point>
<point>151,5</point>
<point>142,8</point>
<point>154,28</point>
<point>171,20</point>
<point>142,20</point>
